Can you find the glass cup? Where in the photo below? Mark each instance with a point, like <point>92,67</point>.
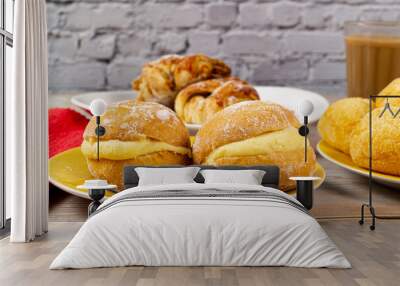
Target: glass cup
<point>372,56</point>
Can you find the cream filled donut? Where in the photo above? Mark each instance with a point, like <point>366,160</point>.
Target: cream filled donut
<point>255,133</point>
<point>136,134</point>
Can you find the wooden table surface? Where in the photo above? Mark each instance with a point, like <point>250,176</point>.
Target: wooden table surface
<point>343,192</point>
<point>375,259</point>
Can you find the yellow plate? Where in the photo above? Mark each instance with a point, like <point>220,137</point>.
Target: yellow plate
<point>343,160</point>
<point>69,169</point>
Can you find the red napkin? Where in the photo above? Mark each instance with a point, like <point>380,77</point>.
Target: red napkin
<point>66,128</point>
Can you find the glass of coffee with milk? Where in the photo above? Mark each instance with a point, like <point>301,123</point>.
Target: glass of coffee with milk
<point>372,56</point>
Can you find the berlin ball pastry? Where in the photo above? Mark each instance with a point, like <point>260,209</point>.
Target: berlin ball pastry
<point>136,134</point>
<point>385,144</point>
<point>199,101</point>
<point>255,133</point>
<point>340,119</point>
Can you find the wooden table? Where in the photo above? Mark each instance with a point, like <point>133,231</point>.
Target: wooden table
<point>343,192</point>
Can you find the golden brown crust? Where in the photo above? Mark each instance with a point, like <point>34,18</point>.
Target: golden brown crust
<point>239,122</point>
<point>386,143</point>
<point>339,121</point>
<point>156,82</point>
<point>161,80</point>
<point>130,121</point>
<point>394,102</point>
<point>112,170</point>
<point>248,120</point>
<point>198,102</point>
<point>291,164</point>
<point>391,89</point>
<point>194,68</point>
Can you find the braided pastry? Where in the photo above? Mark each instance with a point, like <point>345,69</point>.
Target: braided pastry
<point>200,101</point>
<point>161,80</point>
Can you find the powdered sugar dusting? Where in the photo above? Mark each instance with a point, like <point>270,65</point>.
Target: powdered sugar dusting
<point>273,117</point>
<point>218,89</point>
<point>133,118</point>
<point>231,100</point>
<point>238,106</point>
<point>106,121</point>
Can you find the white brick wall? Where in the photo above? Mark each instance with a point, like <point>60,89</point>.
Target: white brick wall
<point>101,44</point>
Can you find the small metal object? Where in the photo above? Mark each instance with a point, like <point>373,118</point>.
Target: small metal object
<point>369,205</point>
<point>304,193</point>
<point>100,131</point>
<point>304,130</point>
<point>305,108</point>
<point>96,191</point>
<point>305,190</point>
<point>96,195</point>
<point>389,109</point>
<point>97,108</point>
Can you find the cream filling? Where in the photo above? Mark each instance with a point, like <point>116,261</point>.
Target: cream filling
<point>285,140</point>
<point>124,150</point>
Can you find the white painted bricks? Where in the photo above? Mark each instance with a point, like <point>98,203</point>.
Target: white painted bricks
<point>101,44</point>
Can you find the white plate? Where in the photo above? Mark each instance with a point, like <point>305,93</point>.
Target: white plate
<point>68,169</point>
<point>286,96</point>
<point>83,100</point>
<point>291,98</point>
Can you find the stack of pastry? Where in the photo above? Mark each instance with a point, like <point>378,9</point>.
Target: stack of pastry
<point>237,128</point>
<point>200,101</point>
<point>161,80</point>
<point>345,126</point>
<point>385,146</point>
<point>196,85</point>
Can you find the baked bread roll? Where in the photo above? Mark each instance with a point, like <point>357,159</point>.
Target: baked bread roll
<point>136,134</point>
<point>198,102</point>
<point>393,89</point>
<point>340,119</point>
<point>255,133</point>
<point>161,80</point>
<point>385,144</point>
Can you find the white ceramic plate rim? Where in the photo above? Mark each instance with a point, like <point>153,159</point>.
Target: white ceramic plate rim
<point>323,103</point>
<point>79,100</point>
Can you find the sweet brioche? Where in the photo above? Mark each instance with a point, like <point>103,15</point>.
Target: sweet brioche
<point>255,133</point>
<point>161,80</point>
<point>198,102</point>
<point>385,144</point>
<point>340,119</point>
<point>136,134</point>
